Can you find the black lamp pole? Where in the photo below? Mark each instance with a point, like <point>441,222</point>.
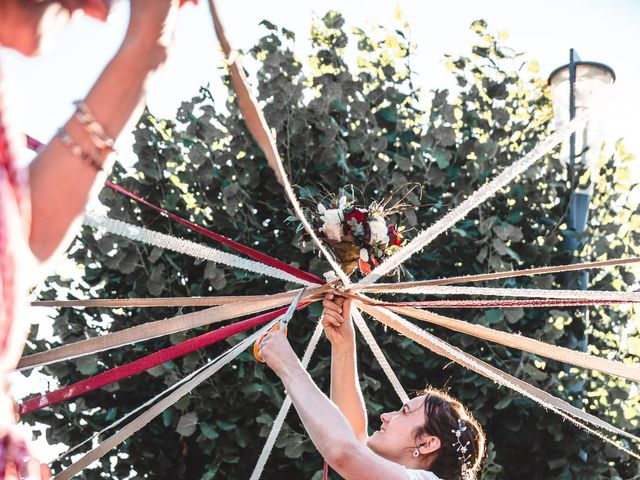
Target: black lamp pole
<point>580,197</point>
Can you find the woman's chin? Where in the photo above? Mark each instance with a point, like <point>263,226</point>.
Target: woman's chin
<point>374,440</point>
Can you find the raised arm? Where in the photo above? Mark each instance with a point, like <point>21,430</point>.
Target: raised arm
<point>345,386</point>
<point>60,181</point>
<point>326,425</point>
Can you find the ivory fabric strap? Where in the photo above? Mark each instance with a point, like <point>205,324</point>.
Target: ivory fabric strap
<point>160,328</point>
<point>616,262</point>
<point>379,355</point>
<point>146,302</point>
<point>565,355</point>
<point>187,247</point>
<point>498,303</point>
<point>546,400</point>
<point>145,363</point>
<point>259,129</point>
<point>504,292</point>
<point>482,194</point>
<point>248,251</point>
<point>141,421</point>
<point>284,409</point>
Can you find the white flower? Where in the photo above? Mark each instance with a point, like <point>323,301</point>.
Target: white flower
<point>332,224</point>
<point>379,232</point>
<point>364,255</point>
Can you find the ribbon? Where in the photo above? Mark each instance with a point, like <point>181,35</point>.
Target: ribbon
<point>151,413</point>
<point>187,247</point>
<point>595,295</point>
<point>238,247</point>
<point>259,129</point>
<point>440,347</point>
<point>544,303</point>
<point>379,355</point>
<point>479,196</point>
<point>145,363</point>
<point>536,347</point>
<point>160,328</point>
<point>284,409</point>
<point>146,302</point>
<point>616,262</point>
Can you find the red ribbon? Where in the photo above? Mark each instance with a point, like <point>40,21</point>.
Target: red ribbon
<point>145,363</point>
<point>501,303</point>
<point>238,247</point>
<point>35,145</point>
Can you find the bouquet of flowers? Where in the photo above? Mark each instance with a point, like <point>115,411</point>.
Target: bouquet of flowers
<point>360,237</point>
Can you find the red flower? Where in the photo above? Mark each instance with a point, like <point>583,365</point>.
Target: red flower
<point>394,236</point>
<point>360,216</point>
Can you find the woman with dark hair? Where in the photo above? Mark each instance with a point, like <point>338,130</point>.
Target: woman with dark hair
<point>432,437</point>
<point>41,205</point>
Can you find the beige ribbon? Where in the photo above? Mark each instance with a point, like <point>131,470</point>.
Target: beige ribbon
<point>160,328</point>
<point>565,355</point>
<point>566,410</point>
<point>147,302</point>
<point>259,129</point>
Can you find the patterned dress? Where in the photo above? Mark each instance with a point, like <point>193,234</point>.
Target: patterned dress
<point>16,461</point>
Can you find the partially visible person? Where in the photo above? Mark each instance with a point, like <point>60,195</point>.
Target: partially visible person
<point>41,206</point>
<point>432,437</point>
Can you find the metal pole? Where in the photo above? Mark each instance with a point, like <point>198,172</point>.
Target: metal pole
<point>578,213</point>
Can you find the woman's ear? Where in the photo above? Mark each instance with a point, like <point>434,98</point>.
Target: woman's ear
<point>429,444</point>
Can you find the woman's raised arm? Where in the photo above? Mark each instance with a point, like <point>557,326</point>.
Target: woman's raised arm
<point>60,181</point>
<point>345,386</point>
<point>326,425</point>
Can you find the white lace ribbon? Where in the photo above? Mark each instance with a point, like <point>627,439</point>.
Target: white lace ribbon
<point>187,247</point>
<point>284,409</point>
<point>504,292</point>
<point>379,355</point>
<point>481,195</point>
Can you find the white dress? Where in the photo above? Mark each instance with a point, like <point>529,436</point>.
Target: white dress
<point>421,475</point>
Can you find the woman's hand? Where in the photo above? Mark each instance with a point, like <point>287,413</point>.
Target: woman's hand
<point>278,354</point>
<point>152,24</point>
<point>336,320</point>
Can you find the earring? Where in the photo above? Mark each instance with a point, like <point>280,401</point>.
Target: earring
<point>416,452</point>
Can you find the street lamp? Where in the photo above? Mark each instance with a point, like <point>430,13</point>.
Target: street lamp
<point>574,87</point>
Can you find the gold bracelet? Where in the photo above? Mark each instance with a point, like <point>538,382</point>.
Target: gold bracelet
<point>96,132</point>
<point>68,141</point>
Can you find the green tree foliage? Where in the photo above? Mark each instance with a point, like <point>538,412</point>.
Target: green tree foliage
<point>359,121</point>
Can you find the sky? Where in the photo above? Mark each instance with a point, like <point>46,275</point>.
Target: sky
<point>603,31</point>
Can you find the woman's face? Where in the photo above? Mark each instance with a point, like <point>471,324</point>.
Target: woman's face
<point>395,439</point>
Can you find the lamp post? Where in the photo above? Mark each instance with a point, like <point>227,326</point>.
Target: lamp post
<point>574,86</point>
